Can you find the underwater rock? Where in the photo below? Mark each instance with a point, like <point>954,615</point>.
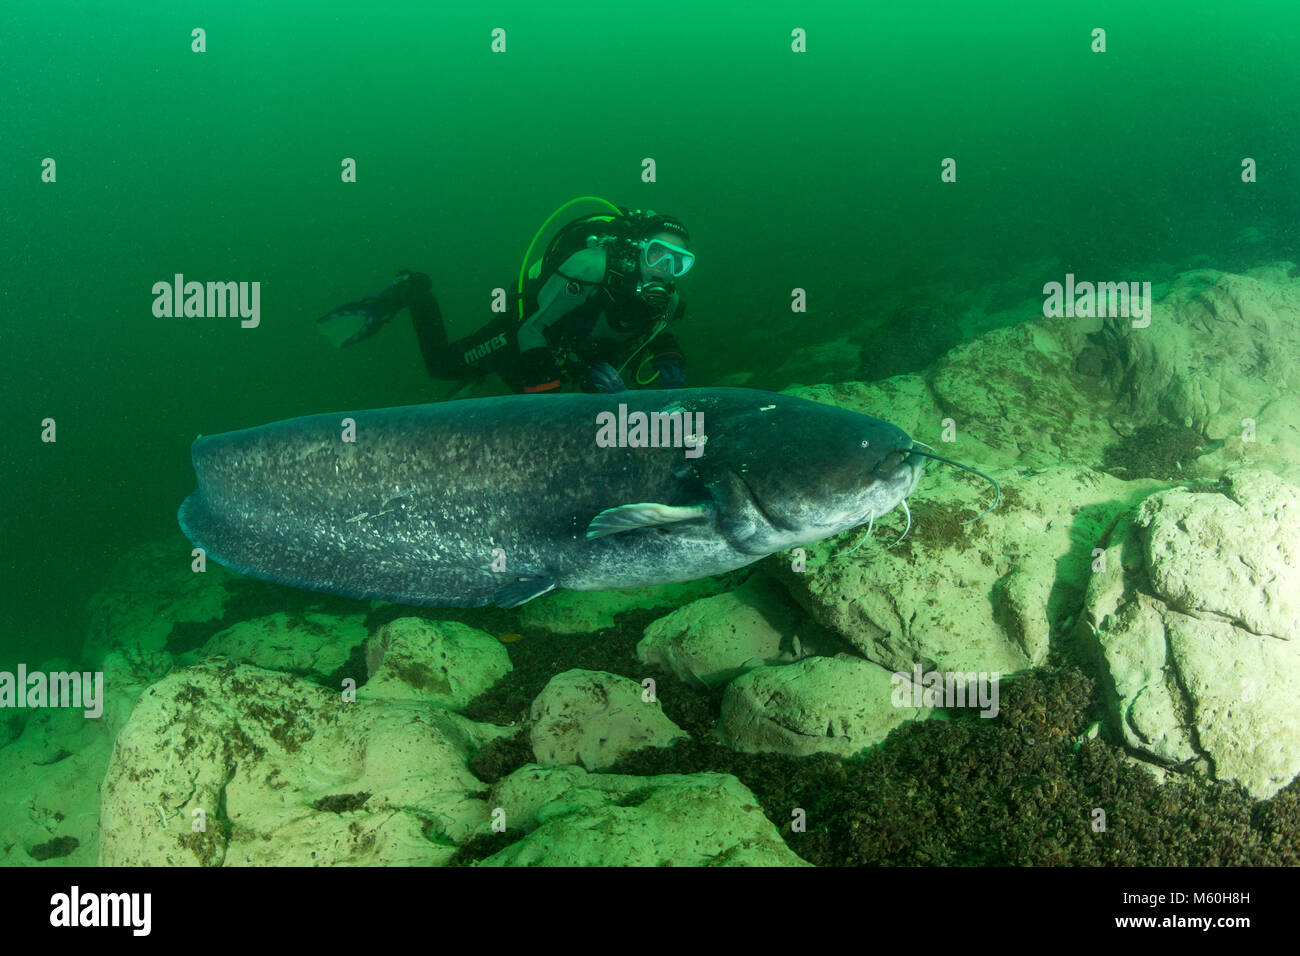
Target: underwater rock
<point>1050,391</point>
<point>1195,618</point>
<point>1222,355</point>
<point>1018,394</point>
<point>50,770</point>
<point>1020,600</point>
<point>126,678</point>
<point>1219,349</point>
<point>832,361</point>
<point>306,641</point>
<point>593,718</point>
<point>836,705</point>
<point>716,638</point>
<point>440,662</point>
<point>575,818</point>
<point>1233,556</point>
<point>149,591</point>
<point>1036,405</point>
<point>286,773</point>
<point>43,801</point>
<point>911,340</point>
<point>963,597</point>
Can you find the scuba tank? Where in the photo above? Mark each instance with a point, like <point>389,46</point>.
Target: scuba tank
<point>619,234</point>
<point>531,278</point>
<point>632,304</point>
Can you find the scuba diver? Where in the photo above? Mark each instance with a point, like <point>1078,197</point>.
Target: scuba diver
<point>600,300</point>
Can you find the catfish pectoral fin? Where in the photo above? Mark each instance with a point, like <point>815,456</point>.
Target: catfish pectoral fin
<point>647,514</point>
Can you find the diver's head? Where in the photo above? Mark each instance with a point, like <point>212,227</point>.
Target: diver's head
<point>664,252</point>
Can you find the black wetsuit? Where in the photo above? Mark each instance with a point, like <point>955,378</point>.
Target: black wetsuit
<point>575,327</point>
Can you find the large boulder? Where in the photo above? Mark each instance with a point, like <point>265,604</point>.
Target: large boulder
<point>575,818</point>
<point>308,641</point>
<point>593,718</point>
<point>1038,405</point>
<point>963,597</point>
<point>286,772</point>
<point>1222,357</point>
<point>152,589</point>
<point>837,705</point>
<point>1193,613</point>
<point>714,639</point>
<point>440,662</point>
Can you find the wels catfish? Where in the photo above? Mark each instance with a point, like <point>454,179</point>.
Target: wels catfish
<point>500,500</point>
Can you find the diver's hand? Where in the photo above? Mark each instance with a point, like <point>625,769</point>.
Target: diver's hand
<point>672,373</point>
<point>603,377</point>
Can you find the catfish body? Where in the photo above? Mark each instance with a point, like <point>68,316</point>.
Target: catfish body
<point>502,499</point>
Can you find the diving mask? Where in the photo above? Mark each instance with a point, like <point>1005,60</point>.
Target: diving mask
<point>665,257</point>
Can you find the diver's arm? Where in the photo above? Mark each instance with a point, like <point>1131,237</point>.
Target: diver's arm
<point>563,292</point>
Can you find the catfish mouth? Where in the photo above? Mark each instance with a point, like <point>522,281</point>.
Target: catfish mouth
<point>912,458</point>
<point>755,526</point>
<point>901,465</point>
<point>754,523</point>
<point>889,468</point>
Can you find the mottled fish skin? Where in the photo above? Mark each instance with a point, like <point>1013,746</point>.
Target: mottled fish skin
<point>429,500</point>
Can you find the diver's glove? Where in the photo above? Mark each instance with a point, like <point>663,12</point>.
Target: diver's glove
<point>603,377</point>
<point>350,323</point>
<point>672,373</point>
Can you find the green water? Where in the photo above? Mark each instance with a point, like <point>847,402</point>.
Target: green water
<point>818,170</point>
